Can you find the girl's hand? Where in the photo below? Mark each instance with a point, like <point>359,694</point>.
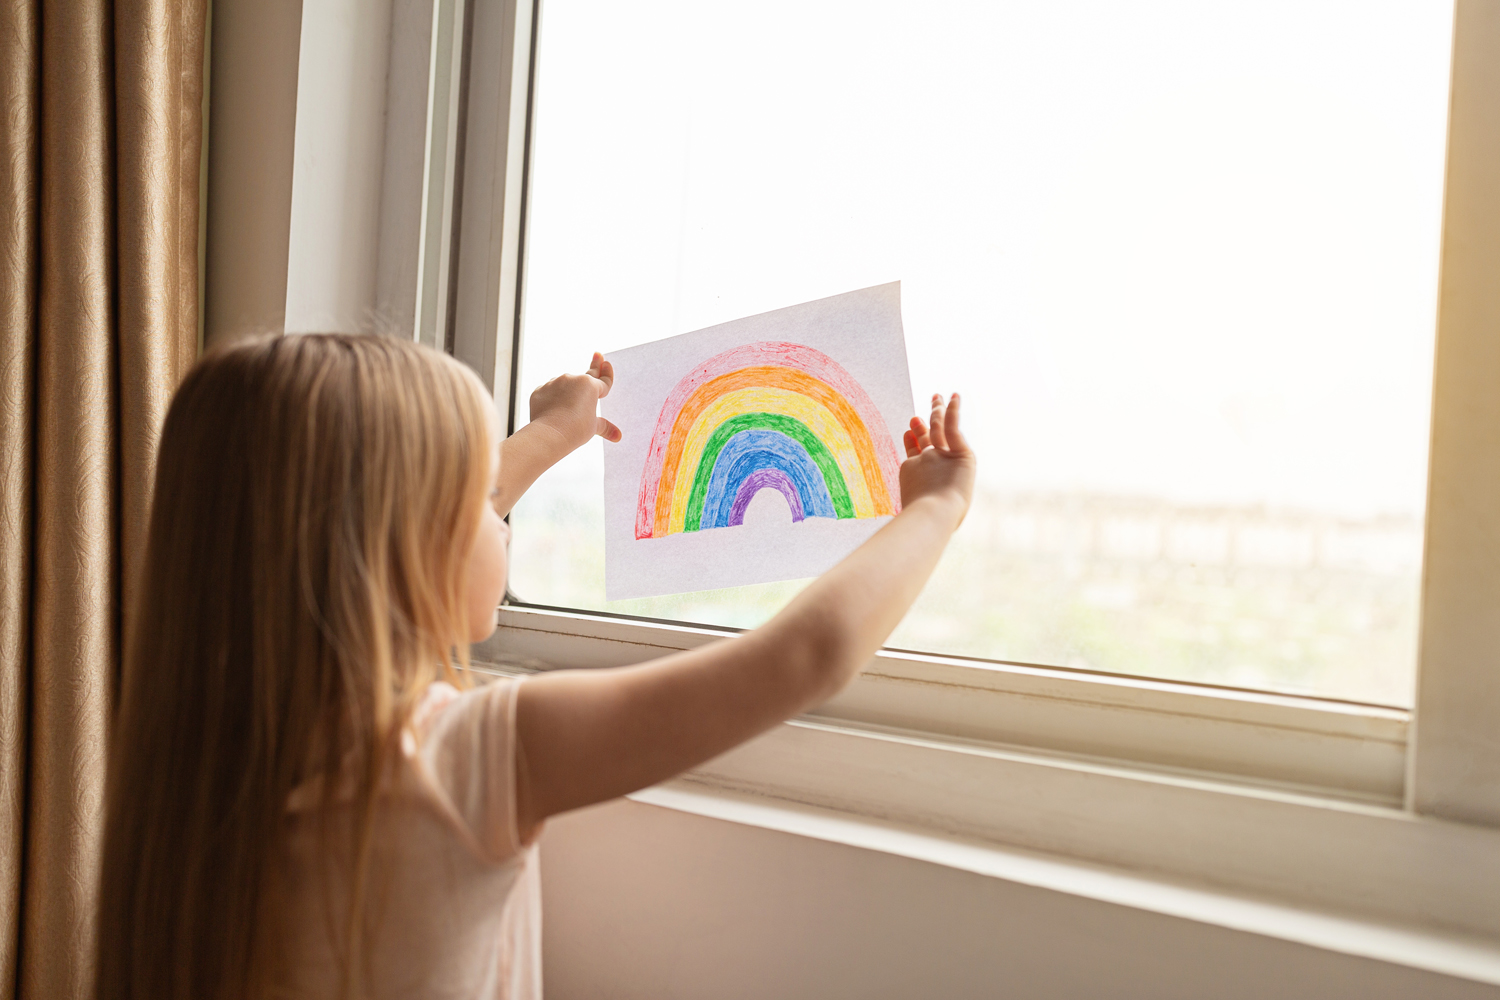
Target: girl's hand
<point>564,417</point>
<point>569,404</point>
<point>939,461</point>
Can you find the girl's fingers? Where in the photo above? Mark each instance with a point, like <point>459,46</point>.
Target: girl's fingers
<point>943,433</point>
<point>603,371</point>
<point>919,432</point>
<point>607,430</point>
<point>935,431</point>
<point>957,443</point>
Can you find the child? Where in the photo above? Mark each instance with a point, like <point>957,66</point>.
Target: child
<point>297,806</point>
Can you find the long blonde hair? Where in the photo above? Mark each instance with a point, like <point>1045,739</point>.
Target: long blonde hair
<point>316,501</point>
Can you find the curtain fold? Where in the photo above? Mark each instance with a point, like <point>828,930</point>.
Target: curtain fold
<point>98,321</point>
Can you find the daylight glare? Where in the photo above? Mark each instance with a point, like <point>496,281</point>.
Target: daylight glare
<point>1180,258</point>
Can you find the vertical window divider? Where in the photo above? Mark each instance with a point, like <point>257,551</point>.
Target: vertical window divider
<point>1454,764</point>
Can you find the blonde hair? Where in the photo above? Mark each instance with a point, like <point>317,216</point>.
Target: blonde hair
<point>317,498</point>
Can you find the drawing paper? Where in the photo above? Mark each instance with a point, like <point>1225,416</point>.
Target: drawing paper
<point>762,449</point>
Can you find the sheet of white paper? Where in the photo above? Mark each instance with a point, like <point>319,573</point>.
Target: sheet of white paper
<point>757,450</point>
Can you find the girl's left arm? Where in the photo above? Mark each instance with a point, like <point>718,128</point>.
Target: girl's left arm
<point>590,735</point>
<point>564,417</point>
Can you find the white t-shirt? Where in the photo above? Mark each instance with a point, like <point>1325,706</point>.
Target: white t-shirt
<point>452,898</point>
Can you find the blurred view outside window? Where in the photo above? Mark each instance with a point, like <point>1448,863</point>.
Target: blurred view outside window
<point>1180,257</point>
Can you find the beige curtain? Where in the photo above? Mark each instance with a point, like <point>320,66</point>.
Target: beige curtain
<point>100,132</point>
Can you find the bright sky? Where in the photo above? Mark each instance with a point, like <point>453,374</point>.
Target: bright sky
<point>1181,249</point>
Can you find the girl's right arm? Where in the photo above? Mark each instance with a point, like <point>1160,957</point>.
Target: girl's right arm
<point>591,735</point>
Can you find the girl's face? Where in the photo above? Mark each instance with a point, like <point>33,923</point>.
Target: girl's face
<point>486,583</point>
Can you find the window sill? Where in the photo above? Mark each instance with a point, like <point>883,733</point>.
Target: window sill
<point>1289,806</point>
<point>1462,956</point>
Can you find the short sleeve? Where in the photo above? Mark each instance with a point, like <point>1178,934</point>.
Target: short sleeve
<point>469,754</point>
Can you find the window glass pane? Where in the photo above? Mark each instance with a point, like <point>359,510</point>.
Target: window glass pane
<point>1180,257</point>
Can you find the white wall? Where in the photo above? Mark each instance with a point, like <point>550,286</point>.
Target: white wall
<point>337,175</point>
<point>316,126</point>
<point>251,123</point>
<point>646,902</point>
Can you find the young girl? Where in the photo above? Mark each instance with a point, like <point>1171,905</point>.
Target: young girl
<point>298,806</point>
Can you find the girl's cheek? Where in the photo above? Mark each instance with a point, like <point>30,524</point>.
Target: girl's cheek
<point>488,567</point>
<point>487,573</point>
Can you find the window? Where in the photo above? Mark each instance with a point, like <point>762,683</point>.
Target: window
<point>1181,257</point>
<point>1330,807</point>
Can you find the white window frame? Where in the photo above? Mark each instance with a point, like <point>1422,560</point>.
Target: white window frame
<point>1385,817</point>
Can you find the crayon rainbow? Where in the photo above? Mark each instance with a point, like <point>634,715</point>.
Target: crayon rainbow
<point>771,415</point>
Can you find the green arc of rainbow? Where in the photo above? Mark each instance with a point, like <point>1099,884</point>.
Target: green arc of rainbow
<point>793,428</point>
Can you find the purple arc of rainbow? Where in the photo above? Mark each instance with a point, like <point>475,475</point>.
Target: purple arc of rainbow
<point>765,479</point>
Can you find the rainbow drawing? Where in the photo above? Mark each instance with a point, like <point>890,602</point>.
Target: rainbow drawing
<point>770,415</point>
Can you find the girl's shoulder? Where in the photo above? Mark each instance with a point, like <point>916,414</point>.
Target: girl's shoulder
<point>458,756</point>
<point>462,749</point>
<point>438,697</point>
